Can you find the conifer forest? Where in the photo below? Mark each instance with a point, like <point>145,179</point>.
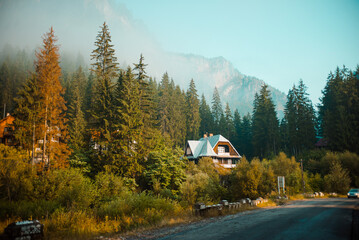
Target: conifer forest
<point>100,149</point>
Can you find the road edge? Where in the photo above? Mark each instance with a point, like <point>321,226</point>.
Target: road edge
<point>355,223</point>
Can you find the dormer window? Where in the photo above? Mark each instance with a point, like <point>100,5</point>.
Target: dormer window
<point>221,149</point>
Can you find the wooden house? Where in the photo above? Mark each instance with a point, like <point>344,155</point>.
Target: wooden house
<point>217,147</point>
<point>7,131</point>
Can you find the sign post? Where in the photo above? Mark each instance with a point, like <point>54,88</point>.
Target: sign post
<point>281,184</point>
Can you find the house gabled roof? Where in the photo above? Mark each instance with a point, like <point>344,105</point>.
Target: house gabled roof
<point>204,147</point>
<point>207,150</point>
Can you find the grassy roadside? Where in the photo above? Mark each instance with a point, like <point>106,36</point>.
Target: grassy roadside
<point>75,224</point>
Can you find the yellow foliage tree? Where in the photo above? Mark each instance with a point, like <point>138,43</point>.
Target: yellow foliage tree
<point>52,128</point>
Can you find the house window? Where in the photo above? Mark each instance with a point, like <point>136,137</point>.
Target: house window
<point>221,149</point>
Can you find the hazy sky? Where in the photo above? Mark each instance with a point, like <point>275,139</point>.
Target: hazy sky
<point>277,41</point>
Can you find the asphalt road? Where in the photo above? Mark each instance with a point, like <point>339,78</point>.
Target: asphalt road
<point>328,219</point>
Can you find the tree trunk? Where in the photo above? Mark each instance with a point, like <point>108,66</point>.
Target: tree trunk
<point>45,133</point>
<point>33,145</point>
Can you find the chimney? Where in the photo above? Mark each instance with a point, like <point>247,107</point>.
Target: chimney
<point>204,135</point>
<point>211,134</point>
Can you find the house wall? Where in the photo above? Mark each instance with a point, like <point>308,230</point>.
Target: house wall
<point>232,152</point>
<point>6,131</point>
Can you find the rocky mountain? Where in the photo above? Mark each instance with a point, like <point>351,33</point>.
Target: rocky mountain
<point>234,87</point>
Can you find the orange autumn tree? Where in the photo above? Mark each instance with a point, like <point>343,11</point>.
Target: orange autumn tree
<point>52,130</point>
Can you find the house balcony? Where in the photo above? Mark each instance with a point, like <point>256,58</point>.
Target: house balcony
<point>224,154</point>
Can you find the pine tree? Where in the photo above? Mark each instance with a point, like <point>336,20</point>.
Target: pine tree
<point>284,136</point>
<point>306,119</point>
<point>88,95</point>
<point>27,120</point>
<point>229,129</point>
<point>164,106</point>
<point>79,80</point>
<point>206,117</point>
<point>264,124</point>
<point>338,112</point>
<point>77,123</point>
<point>237,122</point>
<point>106,69</point>
<point>192,112</point>
<point>217,110</point>
<point>53,128</point>
<point>290,121</point>
<point>141,72</point>
<point>177,121</point>
<point>148,104</point>
<point>127,143</point>
<point>6,90</point>
<point>246,146</point>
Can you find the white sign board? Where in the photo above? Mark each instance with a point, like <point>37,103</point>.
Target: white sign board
<point>281,184</point>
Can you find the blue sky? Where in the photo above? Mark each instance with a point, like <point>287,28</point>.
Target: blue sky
<point>277,41</point>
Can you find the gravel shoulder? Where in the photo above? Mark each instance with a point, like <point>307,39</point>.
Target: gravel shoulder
<point>300,219</point>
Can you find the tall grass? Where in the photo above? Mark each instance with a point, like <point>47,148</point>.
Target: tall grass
<point>118,215</point>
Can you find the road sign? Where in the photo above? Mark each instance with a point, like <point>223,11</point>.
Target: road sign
<point>281,184</point>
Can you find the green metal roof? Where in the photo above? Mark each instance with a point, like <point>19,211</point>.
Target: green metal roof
<point>204,146</point>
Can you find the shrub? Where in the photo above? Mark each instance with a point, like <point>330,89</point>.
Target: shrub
<point>75,190</point>
<point>15,174</point>
<point>165,167</point>
<point>316,182</point>
<point>246,178</point>
<point>26,209</point>
<point>338,179</point>
<point>350,161</point>
<point>289,168</point>
<point>67,186</point>
<point>109,186</point>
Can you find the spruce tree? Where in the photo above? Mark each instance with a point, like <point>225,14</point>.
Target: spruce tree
<point>77,123</point>
<point>338,112</point>
<point>164,106</point>
<point>127,143</point>
<point>6,90</point>
<point>229,129</point>
<point>148,104</point>
<point>306,119</point>
<point>246,146</point>
<point>265,127</point>
<point>207,121</point>
<point>105,69</point>
<point>52,110</point>
<point>89,90</point>
<point>217,110</point>
<point>237,122</point>
<point>192,112</point>
<point>27,120</point>
<point>178,130</point>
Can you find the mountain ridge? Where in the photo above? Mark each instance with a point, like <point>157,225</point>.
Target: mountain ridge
<point>234,87</point>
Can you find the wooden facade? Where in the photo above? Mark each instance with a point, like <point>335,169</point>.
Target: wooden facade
<point>7,131</point>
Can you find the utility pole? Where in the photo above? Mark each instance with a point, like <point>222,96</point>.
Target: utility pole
<point>4,110</point>
<point>303,183</point>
